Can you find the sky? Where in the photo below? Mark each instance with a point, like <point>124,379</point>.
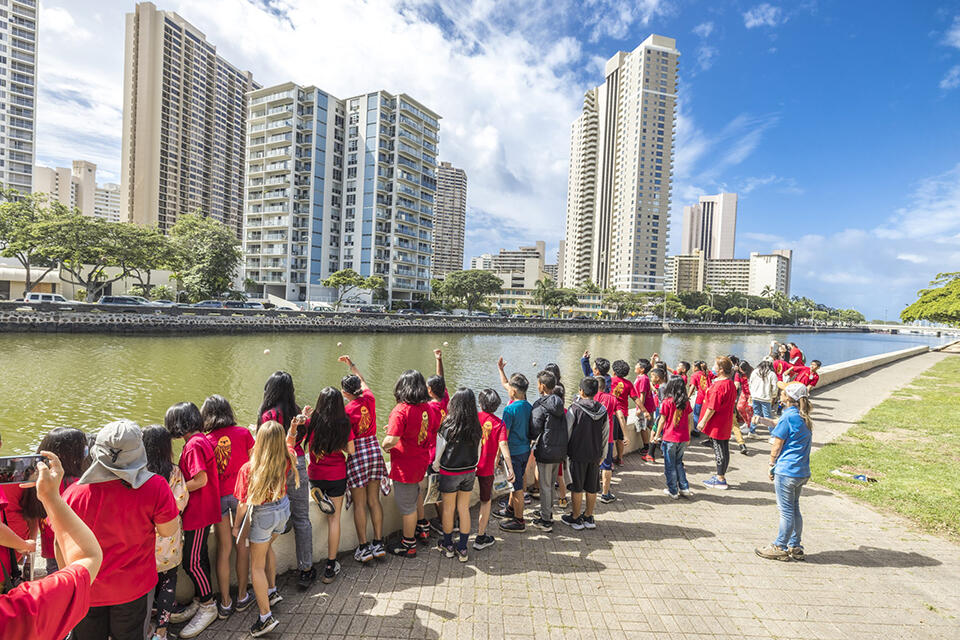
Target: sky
<point>835,122</point>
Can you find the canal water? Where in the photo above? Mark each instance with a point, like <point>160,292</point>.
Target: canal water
<point>85,381</point>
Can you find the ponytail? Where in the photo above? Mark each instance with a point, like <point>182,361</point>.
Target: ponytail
<point>803,406</point>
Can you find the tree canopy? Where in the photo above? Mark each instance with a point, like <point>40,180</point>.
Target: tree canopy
<point>939,303</point>
<point>347,280</point>
<point>22,235</point>
<point>206,255</point>
<point>471,287</point>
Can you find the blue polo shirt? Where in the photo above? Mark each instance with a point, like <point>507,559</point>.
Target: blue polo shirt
<point>794,460</point>
<point>516,419</point>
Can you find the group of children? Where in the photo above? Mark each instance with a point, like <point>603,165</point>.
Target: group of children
<point>251,485</point>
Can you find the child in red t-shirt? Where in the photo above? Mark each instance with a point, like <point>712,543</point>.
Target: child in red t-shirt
<point>621,389</point>
<point>439,400</point>
<point>493,448</point>
<point>673,430</point>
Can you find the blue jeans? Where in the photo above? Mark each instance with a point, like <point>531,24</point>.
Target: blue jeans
<point>761,409</point>
<point>788,501</point>
<point>300,514</point>
<point>696,413</point>
<point>673,465</point>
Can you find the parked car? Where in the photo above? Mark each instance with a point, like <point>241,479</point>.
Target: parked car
<point>128,300</point>
<point>235,304</point>
<point>517,315</point>
<point>46,297</point>
<point>368,308</point>
<point>481,314</point>
<point>253,305</point>
<point>210,304</point>
<point>440,312</point>
<point>165,303</point>
<point>581,317</point>
<point>409,312</point>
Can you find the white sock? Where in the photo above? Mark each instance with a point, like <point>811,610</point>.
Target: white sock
<point>263,618</point>
<point>272,591</point>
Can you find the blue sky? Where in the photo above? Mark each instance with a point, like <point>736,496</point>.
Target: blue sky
<point>836,122</point>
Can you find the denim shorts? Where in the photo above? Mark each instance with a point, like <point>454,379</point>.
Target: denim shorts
<point>269,519</point>
<point>228,504</point>
<point>519,463</point>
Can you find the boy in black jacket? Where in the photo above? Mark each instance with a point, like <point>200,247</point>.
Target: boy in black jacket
<point>587,432</point>
<point>549,430</point>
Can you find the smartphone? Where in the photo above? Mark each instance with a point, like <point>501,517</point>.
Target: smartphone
<point>17,469</point>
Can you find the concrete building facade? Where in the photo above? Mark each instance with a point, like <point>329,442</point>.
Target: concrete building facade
<point>711,226</point>
<point>18,95</point>
<point>518,268</point>
<point>621,170</point>
<point>107,202</point>
<point>750,276</point>
<point>184,123</point>
<point>77,187</point>
<point>450,219</point>
<point>336,184</point>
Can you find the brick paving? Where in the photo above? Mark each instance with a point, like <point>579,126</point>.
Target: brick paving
<point>657,568</point>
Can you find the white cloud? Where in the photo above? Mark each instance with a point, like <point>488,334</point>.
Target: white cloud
<point>952,36</point>
<point>59,22</point>
<point>783,184</point>
<point>911,257</point>
<point>616,18</point>
<point>704,29</point>
<point>952,79</point>
<point>705,56</point>
<point>763,15</point>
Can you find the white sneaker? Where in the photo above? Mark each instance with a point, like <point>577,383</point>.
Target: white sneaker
<point>686,493</point>
<point>206,615</point>
<point>188,612</point>
<point>674,496</point>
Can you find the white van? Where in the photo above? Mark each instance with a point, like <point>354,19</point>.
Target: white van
<point>46,297</point>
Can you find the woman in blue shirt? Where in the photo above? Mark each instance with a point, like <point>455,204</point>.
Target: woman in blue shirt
<point>789,469</point>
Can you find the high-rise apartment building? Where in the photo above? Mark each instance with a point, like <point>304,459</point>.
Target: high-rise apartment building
<point>18,95</point>
<point>336,184</point>
<point>450,219</point>
<point>756,276</point>
<point>711,226</point>
<point>77,188</point>
<point>184,123</point>
<point>621,169</point>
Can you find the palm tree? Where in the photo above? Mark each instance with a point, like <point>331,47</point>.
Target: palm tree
<point>541,293</point>
<point>767,292</point>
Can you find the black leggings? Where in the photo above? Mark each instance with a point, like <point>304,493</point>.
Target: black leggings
<point>196,562</point>
<point>721,450</point>
<point>165,596</point>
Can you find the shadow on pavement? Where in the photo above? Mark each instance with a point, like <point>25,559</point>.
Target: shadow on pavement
<point>872,557</point>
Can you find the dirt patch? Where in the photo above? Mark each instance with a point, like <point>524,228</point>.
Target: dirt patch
<point>896,434</point>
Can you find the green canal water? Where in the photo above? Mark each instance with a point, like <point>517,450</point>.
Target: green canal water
<point>85,381</point>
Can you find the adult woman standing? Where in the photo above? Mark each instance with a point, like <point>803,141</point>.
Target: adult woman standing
<point>789,470</point>
<point>716,419</point>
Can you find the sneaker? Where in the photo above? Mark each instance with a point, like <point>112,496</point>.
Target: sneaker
<point>753,431</point>
<point>744,430</point>
<point>536,514</point>
<point>331,572</point>
<point>743,449</point>
<point>673,496</point>
<point>242,604</point>
<point>205,616</point>
<point>797,553</point>
<point>377,549</point>
<point>513,526</point>
<point>446,549</point>
<point>527,498</point>
<point>505,513</point>
<point>544,525</point>
<point>589,522</point>
<point>462,554</point>
<point>618,462</point>
<point>436,525</point>
<point>423,532</point>
<point>686,493</point>
<point>696,433</point>
<point>576,523</point>
<point>404,549</point>
<point>707,442</point>
<point>274,597</point>
<point>325,503</point>
<point>714,483</point>
<point>306,578</point>
<point>562,503</point>
<point>771,552</point>
<point>607,498</point>
<point>362,554</point>
<point>261,627</point>
<point>482,542</point>
<point>188,611</point>
<point>648,458</point>
<point>224,612</point>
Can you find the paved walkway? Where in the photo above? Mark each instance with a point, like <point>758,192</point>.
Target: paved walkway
<point>655,568</point>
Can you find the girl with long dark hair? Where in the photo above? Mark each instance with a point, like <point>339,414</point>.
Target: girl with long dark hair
<point>457,465</point>
<point>673,431</point>
<point>329,441</point>
<point>280,405</point>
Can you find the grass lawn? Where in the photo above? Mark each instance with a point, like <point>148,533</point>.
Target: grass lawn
<point>911,444</point>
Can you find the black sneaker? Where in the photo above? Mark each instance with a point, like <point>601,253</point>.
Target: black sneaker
<point>224,612</point>
<point>607,498</point>
<point>423,531</point>
<point>274,597</point>
<point>504,513</point>
<point>589,522</point>
<point>482,542</point>
<point>405,549</point>
<point>306,578</point>
<point>242,604</point>
<point>513,525</point>
<point>743,449</point>
<point>436,525</point>
<point>261,627</point>
<point>544,525</point>
<point>569,520</point>
<point>536,514</point>
<point>330,573</point>
<point>527,498</point>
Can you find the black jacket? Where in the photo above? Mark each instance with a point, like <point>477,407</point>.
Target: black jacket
<point>549,429</point>
<point>588,429</point>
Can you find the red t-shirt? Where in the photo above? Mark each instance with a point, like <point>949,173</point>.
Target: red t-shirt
<point>440,406</point>
<point>683,376</point>
<point>622,390</point>
<point>4,556</point>
<point>493,434</point>
<point>796,356</point>
<point>656,395</point>
<point>124,520</point>
<point>277,416</point>
<point>781,367</point>
<point>416,425</point>
<point>610,404</point>
<point>743,382</point>
<point>362,412</point>
<point>48,608</point>
<point>642,386</point>
<point>231,450</point>
<point>676,427</point>
<point>46,532</point>
<point>14,514</point>
<point>203,507</point>
<point>722,398</point>
<point>805,375</point>
<point>329,466</point>
<point>701,382</point>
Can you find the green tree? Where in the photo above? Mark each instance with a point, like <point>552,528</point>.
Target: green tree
<point>768,315</point>
<point>150,250</point>
<point>851,316</point>
<point>706,312</point>
<point>819,316</point>
<point>162,292</point>
<point>542,291</point>
<point>560,298</point>
<point>939,303</point>
<point>471,287</point>
<point>587,286</point>
<point>22,235</point>
<point>736,313</point>
<point>675,309</point>
<point>622,302</point>
<point>346,280</point>
<point>206,255</point>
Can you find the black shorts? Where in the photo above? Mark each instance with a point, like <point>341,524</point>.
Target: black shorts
<point>331,488</point>
<point>584,477</point>
<point>617,431</point>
